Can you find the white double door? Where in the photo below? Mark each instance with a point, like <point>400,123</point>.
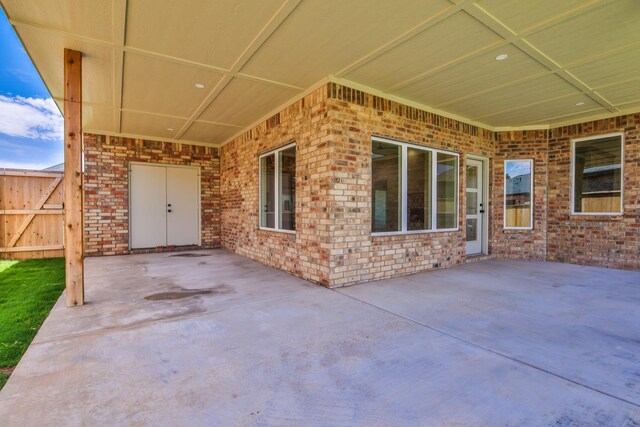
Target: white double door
<point>164,205</point>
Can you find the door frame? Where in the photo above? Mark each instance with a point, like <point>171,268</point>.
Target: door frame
<point>164,166</point>
<point>486,197</point>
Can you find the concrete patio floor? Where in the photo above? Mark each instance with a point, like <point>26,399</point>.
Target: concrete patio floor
<point>216,339</point>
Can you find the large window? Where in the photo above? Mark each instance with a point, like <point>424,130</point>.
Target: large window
<point>278,189</point>
<point>597,175</point>
<point>414,188</point>
<point>518,194</point>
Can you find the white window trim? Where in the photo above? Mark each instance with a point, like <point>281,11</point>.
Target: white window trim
<point>276,183</point>
<point>573,171</point>
<point>531,194</point>
<point>434,195</point>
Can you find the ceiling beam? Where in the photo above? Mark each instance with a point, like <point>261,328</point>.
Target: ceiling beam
<point>169,116</point>
<point>524,106</point>
<point>272,25</point>
<point>73,36</point>
<point>119,33</point>
<point>483,16</point>
<point>407,35</point>
<point>174,59</point>
<point>508,35</point>
<point>584,60</point>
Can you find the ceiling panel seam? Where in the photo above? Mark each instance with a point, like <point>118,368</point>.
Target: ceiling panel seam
<point>73,36</point>
<point>588,91</point>
<point>483,16</point>
<point>555,98</point>
<point>271,26</point>
<point>553,118</point>
<point>443,67</point>
<point>617,82</point>
<point>170,116</point>
<point>508,38</point>
<point>174,59</point>
<point>556,71</point>
<point>119,37</point>
<point>266,81</point>
<point>555,67</point>
<point>402,38</point>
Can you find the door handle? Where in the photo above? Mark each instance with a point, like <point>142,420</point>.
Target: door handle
<point>481,211</point>
<point>168,210</point>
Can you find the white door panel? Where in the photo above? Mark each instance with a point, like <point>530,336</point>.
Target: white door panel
<point>474,207</point>
<point>183,194</point>
<point>147,193</point>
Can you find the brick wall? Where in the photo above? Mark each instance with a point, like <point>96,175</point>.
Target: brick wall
<point>355,117</point>
<point>612,241</point>
<point>332,128</point>
<point>521,244</point>
<point>305,253</point>
<point>106,188</point>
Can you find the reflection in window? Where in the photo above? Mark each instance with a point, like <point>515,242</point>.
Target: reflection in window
<point>267,193</point>
<point>597,186</point>
<point>518,189</point>
<point>418,189</point>
<point>405,184</point>
<point>278,203</point>
<point>447,178</point>
<point>386,164</point>
<point>287,183</point>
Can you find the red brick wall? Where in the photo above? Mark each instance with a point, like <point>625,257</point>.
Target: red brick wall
<point>612,241</point>
<point>332,128</point>
<point>522,244</point>
<point>305,253</point>
<point>106,188</point>
<point>355,117</point>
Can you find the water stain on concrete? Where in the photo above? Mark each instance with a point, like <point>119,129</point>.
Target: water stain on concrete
<point>186,293</point>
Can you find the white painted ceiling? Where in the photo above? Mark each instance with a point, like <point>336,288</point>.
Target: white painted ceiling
<point>569,60</point>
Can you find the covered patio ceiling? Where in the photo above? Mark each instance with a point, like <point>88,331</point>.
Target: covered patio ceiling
<point>204,71</point>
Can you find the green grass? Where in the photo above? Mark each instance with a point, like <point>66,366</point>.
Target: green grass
<point>28,290</point>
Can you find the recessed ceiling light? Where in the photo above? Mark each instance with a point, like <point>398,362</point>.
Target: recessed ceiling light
<point>169,129</point>
<point>580,103</point>
<point>502,57</point>
<point>199,85</point>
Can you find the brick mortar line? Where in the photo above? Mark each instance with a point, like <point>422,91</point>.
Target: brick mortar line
<point>497,353</point>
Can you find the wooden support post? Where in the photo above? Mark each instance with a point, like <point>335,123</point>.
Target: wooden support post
<point>73,216</point>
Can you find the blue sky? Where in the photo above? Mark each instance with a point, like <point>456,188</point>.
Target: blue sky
<point>516,168</point>
<point>31,126</point>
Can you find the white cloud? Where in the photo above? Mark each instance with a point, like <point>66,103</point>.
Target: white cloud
<point>33,118</point>
<point>515,168</point>
<point>24,165</point>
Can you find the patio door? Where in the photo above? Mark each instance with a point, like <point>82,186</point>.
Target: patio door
<point>475,207</point>
<point>164,205</point>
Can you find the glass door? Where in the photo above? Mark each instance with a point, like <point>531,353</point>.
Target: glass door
<point>474,207</point>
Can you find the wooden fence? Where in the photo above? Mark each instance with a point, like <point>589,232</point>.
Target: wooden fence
<point>31,214</point>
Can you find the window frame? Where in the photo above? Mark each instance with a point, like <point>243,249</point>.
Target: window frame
<point>573,172</point>
<point>531,193</point>
<point>276,182</point>
<point>404,173</point>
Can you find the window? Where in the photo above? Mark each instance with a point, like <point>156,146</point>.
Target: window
<point>414,188</point>
<point>597,175</point>
<point>447,179</point>
<point>518,194</point>
<point>278,189</point>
